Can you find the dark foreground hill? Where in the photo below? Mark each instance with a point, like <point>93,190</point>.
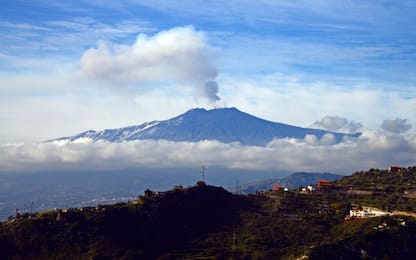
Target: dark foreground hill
<point>207,222</point>
<point>153,225</point>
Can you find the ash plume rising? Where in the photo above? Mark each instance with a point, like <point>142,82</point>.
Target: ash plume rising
<point>179,55</point>
<point>210,91</point>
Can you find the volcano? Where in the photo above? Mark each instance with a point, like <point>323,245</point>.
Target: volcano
<point>226,125</point>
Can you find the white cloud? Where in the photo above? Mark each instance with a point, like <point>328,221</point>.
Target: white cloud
<point>337,123</point>
<point>179,54</point>
<point>372,149</point>
<point>63,38</point>
<point>23,26</point>
<point>396,126</point>
<point>328,139</point>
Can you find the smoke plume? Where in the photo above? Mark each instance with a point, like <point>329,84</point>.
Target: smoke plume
<point>179,55</point>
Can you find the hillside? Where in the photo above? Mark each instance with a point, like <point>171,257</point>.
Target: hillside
<point>225,125</point>
<point>208,222</point>
<point>292,181</point>
<point>381,180</point>
<point>304,179</point>
<point>154,224</point>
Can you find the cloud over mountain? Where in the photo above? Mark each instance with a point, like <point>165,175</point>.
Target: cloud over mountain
<point>179,54</point>
<point>371,149</point>
<point>396,126</point>
<point>152,145</point>
<point>337,123</point>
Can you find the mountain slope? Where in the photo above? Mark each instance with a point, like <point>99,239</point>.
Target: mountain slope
<point>225,125</point>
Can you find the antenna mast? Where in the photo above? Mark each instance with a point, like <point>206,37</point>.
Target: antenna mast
<point>203,173</point>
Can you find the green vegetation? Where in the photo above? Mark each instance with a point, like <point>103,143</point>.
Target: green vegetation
<point>207,222</point>
<point>381,180</point>
<point>382,189</point>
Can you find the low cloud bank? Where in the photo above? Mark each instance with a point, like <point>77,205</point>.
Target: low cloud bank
<point>371,149</point>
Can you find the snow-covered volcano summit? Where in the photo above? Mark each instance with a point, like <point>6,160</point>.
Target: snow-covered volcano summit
<point>224,125</point>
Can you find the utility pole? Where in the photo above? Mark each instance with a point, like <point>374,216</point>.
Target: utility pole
<point>234,238</point>
<point>203,173</point>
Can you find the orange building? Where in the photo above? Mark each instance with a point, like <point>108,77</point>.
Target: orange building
<point>324,184</point>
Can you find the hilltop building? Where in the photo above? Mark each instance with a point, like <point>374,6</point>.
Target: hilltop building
<point>324,184</point>
<point>394,168</point>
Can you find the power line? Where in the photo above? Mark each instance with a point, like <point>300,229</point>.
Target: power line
<point>237,188</point>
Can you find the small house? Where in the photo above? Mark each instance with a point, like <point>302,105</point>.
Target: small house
<point>394,168</point>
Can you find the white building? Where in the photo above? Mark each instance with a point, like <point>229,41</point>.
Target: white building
<point>366,212</point>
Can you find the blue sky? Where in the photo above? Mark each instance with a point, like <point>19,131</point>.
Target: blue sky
<point>69,66</point>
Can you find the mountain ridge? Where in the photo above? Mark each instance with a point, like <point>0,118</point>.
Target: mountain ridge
<point>226,125</point>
